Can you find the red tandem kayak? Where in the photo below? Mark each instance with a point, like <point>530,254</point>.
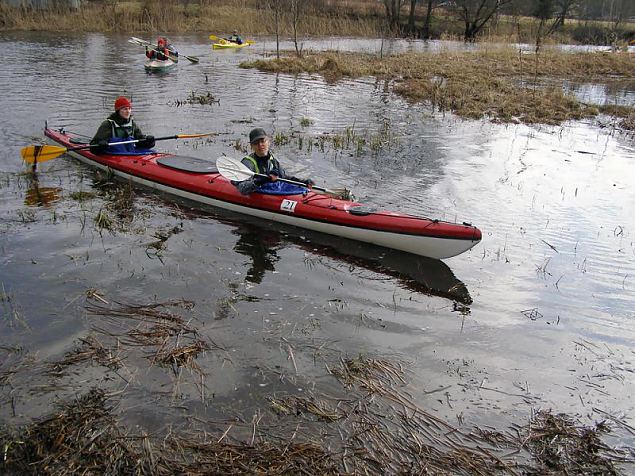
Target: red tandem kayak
<point>199,180</point>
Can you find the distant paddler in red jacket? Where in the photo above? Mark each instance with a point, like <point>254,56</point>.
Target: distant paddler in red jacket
<point>163,51</point>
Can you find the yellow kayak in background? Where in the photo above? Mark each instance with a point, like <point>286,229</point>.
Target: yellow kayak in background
<point>222,43</point>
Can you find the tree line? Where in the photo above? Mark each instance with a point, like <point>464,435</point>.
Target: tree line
<point>402,15</point>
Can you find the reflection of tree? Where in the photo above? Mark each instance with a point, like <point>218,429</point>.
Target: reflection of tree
<point>260,245</point>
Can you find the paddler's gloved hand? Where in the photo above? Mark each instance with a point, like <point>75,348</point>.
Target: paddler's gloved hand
<point>309,183</point>
<point>98,146</point>
<point>146,143</point>
<point>261,180</point>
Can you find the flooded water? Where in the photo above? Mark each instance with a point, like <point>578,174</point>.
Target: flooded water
<point>541,314</point>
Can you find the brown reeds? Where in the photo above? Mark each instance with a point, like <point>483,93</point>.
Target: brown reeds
<point>358,418</point>
<point>500,83</point>
<point>412,440</point>
<point>83,437</point>
<point>212,16</point>
<point>560,446</point>
<point>297,405</point>
<point>89,350</point>
<point>371,426</point>
<point>165,338</point>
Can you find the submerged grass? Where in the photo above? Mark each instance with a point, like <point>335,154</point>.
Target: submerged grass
<point>502,84</point>
<point>363,421</point>
<point>83,437</point>
<point>371,427</point>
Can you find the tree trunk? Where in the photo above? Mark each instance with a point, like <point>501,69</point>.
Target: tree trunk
<point>425,33</point>
<point>296,14</point>
<point>393,8</point>
<point>411,18</point>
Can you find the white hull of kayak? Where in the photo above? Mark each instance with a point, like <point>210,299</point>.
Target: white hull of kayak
<point>157,66</point>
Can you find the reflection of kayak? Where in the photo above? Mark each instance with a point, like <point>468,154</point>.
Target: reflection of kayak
<point>221,44</point>
<point>198,180</point>
<point>156,65</point>
<point>415,273</point>
<point>418,274</point>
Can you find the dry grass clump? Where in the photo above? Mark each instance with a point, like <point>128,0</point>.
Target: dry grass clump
<point>83,437</point>
<point>167,338</point>
<point>562,447</point>
<point>626,113</point>
<point>90,350</point>
<point>297,405</point>
<point>500,84</point>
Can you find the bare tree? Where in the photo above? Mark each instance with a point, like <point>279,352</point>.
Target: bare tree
<point>276,9</point>
<point>425,31</point>
<point>543,10</point>
<point>296,13</point>
<point>476,13</point>
<point>563,8</point>
<point>411,18</point>
<point>393,13</point>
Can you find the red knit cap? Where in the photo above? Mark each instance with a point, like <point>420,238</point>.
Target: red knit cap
<point>122,101</point>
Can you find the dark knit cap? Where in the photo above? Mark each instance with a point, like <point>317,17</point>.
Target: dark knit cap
<point>256,134</point>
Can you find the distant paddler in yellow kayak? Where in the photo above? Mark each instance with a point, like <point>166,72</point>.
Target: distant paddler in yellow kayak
<point>232,41</point>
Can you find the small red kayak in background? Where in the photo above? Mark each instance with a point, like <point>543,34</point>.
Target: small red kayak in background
<point>198,180</point>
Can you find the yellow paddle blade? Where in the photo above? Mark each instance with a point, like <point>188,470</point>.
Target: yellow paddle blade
<point>41,153</point>
<point>250,42</point>
<point>192,136</point>
<point>213,37</point>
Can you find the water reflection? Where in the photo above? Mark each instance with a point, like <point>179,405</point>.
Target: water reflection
<point>415,273</point>
<point>37,196</point>
<point>528,188</point>
<point>622,94</point>
<point>260,245</point>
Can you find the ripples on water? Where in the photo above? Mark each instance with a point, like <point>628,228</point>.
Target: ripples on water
<point>554,203</point>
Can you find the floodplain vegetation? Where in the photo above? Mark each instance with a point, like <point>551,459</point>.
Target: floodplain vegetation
<point>366,422</point>
<point>306,18</point>
<point>500,83</point>
<point>211,16</point>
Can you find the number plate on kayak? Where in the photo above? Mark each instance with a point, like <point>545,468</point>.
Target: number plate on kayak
<point>288,205</point>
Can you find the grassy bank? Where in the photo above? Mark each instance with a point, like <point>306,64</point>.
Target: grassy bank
<point>248,16</point>
<point>316,18</point>
<point>501,84</point>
